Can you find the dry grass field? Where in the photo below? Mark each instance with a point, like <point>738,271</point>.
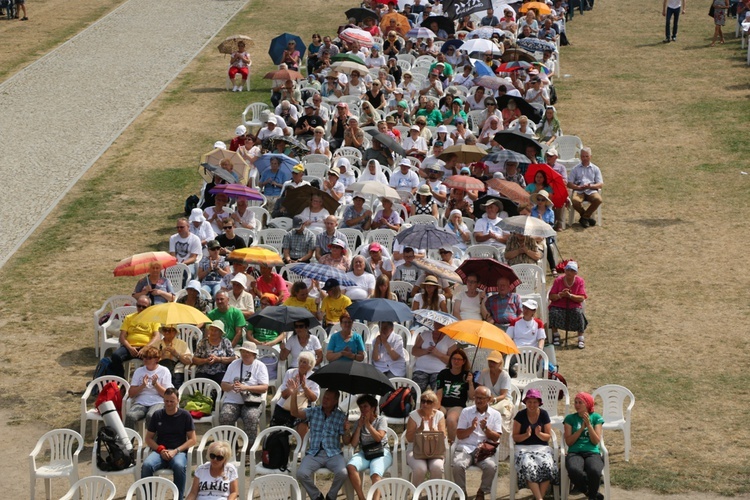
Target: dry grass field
<point>668,289</point>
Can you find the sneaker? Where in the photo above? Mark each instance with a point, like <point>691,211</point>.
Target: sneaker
<point>556,339</point>
<point>24,18</point>
<point>584,222</point>
<point>666,40</point>
<point>592,222</point>
<point>674,38</point>
<point>581,345</point>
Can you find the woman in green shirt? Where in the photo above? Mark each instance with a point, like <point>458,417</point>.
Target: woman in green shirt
<point>583,433</point>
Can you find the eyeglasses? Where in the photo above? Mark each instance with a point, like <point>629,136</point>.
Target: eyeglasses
<point>214,456</point>
<point>180,227</point>
<point>228,227</point>
<point>138,306</point>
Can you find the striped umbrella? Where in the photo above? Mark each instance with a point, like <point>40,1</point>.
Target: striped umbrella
<point>535,45</point>
<point>420,32</point>
<point>511,66</point>
<point>485,32</point>
<point>141,262</point>
<point>256,255</point>
<point>464,183</point>
<point>237,191</point>
<point>430,318</point>
<point>322,273</point>
<point>362,37</point>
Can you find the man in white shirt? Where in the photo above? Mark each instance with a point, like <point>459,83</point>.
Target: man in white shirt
<point>586,182</point>
<point>405,179</point>
<point>270,130</point>
<point>437,150</point>
<point>184,245</point>
<point>477,424</point>
<point>486,230</point>
<point>438,189</point>
<point>528,330</point>
<point>466,78</point>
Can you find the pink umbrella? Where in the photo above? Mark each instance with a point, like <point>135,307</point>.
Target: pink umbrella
<point>237,191</point>
<point>362,37</point>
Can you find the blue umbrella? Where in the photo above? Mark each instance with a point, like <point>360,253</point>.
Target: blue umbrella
<point>482,69</point>
<point>451,43</point>
<point>278,46</point>
<point>426,236</point>
<point>430,318</point>
<point>264,162</point>
<point>380,310</point>
<point>535,45</point>
<point>322,272</point>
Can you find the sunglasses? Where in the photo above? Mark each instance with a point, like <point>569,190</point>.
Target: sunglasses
<point>214,456</point>
<point>426,401</point>
<point>138,306</point>
<point>300,326</point>
<point>228,227</point>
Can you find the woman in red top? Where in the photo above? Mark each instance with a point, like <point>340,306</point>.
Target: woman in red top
<point>270,282</point>
<point>566,304</point>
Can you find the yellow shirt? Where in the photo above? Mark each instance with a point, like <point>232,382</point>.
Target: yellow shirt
<point>138,334</point>
<point>309,304</point>
<point>334,308</point>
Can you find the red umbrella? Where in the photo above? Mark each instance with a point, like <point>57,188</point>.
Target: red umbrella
<point>386,2</point>
<point>510,190</point>
<point>237,191</point>
<point>464,183</point>
<point>488,271</point>
<point>555,181</point>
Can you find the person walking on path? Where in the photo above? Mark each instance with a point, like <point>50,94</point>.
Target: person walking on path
<point>672,8</point>
<point>720,18</point>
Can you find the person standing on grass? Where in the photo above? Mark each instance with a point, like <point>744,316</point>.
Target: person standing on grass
<point>21,5</point>
<point>720,18</point>
<point>672,8</point>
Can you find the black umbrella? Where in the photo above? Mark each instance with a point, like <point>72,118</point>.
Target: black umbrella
<point>360,14</point>
<point>388,141</point>
<point>527,109</point>
<point>380,310</point>
<point>281,318</point>
<point>352,377</point>
<point>443,22</point>
<point>503,155</point>
<point>298,147</point>
<point>508,205</point>
<point>514,141</point>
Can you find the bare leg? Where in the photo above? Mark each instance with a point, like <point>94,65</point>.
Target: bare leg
<point>356,482</point>
<point>534,487</point>
<point>375,478</point>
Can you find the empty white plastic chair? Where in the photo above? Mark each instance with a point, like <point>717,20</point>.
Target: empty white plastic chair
<point>533,364</point>
<point>616,415</point>
<point>275,487</point>
<point>438,489</point>
<point>108,307</point>
<point>64,446</point>
<point>254,112</point>
<point>392,488</point>
<point>109,331</point>
<point>152,488</point>
<point>91,488</point>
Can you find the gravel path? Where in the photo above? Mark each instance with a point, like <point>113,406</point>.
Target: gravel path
<point>62,112</point>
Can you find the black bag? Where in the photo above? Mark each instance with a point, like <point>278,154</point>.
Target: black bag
<point>552,95</point>
<point>190,203</point>
<point>116,458</point>
<point>276,451</point>
<point>373,450</point>
<point>398,403</point>
<point>711,11</point>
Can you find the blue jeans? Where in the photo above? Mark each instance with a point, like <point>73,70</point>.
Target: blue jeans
<point>212,288</point>
<point>178,465</point>
<point>119,357</point>
<point>676,13</point>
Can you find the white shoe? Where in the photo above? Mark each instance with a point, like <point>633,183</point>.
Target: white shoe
<point>235,89</point>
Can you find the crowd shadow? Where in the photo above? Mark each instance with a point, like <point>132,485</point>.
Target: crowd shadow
<point>656,222</point>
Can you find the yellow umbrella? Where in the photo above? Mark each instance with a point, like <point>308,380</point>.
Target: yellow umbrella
<point>401,26</point>
<point>239,164</point>
<point>172,313</point>
<point>256,255</point>
<point>540,7</point>
<point>481,334</point>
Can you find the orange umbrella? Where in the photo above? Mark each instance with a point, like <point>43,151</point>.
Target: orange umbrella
<point>141,262</point>
<point>256,255</point>
<point>540,7</point>
<point>481,334</point>
<point>401,25</point>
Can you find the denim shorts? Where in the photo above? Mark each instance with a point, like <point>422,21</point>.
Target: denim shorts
<point>377,465</point>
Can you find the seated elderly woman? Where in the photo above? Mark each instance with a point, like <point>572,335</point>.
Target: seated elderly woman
<point>520,249</point>
<point>214,353</point>
<point>364,281</point>
<point>523,126</point>
<point>307,393</point>
<point>316,214</point>
<point>423,202</point>
<point>300,342</point>
<point>346,344</point>
<point>175,354</point>
<point>583,433</point>
<point>386,217</point>
<point>432,350</point>
<point>244,384</point>
<point>147,388</point>
<point>337,257</point>
<point>154,286</point>
<point>388,354</point>
<point>370,433</point>
<point>193,297</point>
<point>455,386</point>
<point>566,304</point>
<point>212,268</point>
<point>200,227</point>
<point>427,418</point>
<point>532,430</point>
<point>457,226</point>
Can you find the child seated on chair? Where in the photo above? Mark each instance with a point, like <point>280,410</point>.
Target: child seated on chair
<point>240,63</point>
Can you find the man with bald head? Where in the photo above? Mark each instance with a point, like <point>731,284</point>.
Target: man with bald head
<point>324,239</point>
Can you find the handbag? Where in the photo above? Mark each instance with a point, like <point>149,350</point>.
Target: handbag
<point>429,445</point>
<point>484,451</point>
<point>249,397</point>
<point>373,450</point>
<point>711,11</point>
<point>301,401</point>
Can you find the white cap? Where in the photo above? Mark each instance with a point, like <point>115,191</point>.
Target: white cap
<point>241,130</point>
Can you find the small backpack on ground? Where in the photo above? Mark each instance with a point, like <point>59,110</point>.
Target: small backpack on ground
<point>109,455</point>
<point>276,450</point>
<point>398,403</point>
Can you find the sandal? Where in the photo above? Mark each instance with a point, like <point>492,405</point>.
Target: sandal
<point>556,339</point>
<point>581,345</point>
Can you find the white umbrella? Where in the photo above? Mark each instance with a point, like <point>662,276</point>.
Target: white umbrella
<point>374,188</point>
<point>480,45</point>
<point>528,226</point>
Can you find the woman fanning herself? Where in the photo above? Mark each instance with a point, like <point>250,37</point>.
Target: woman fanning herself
<point>217,478</point>
<point>532,431</point>
<point>455,386</point>
<point>583,433</point>
<point>370,434</point>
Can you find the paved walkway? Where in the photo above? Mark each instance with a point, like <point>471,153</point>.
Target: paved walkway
<point>62,112</point>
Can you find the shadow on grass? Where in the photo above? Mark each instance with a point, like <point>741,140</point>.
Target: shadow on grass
<point>76,357</point>
<point>741,86</point>
<point>653,44</point>
<point>208,90</point>
<point>656,222</point>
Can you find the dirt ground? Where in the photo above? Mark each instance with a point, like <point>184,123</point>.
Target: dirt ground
<point>663,326</point>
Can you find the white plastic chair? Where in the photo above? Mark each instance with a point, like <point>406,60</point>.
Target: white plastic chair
<point>206,387</point>
<point>315,158</point>
<point>63,458</point>
<point>91,488</point>
<point>256,469</point>
<point>237,439</point>
<point>284,223</point>
<point>275,487</point>
<point>565,480</point>
<point>615,417</point>
<point>533,286</point>
<point>134,470</point>
<point>256,109</point>
<point>550,390</point>
<point>92,413</point>
<point>440,489</point>
<point>152,488</point>
<point>422,219</point>
<point>347,151</point>
<point>289,275</point>
<point>272,237</point>
<point>513,473</point>
<point>402,289</point>
<point>406,57</point>
<point>261,215</point>
<point>392,488</point>
<point>354,237</point>
<point>270,352</point>
<point>108,307</point>
<point>383,236</point>
<point>572,213</point>
<point>473,119</point>
<point>532,365</point>
<point>568,150</point>
<point>112,327</point>
<point>246,234</point>
<point>190,334</point>
<point>178,274</point>
<point>318,170</point>
<point>484,251</point>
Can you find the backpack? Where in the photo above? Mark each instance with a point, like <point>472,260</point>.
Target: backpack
<point>555,375</point>
<point>398,403</point>
<point>276,450</point>
<point>191,202</point>
<point>103,368</point>
<point>110,392</point>
<point>116,458</point>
